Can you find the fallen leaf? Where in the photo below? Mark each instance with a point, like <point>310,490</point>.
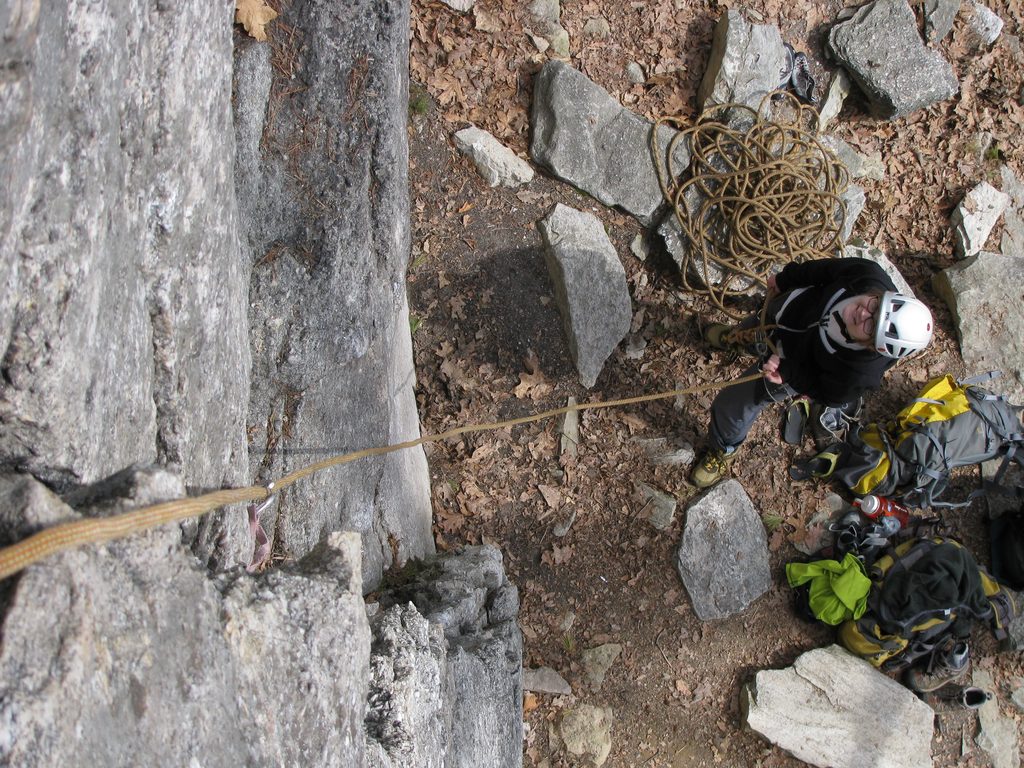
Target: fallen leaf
<point>254,15</point>
<point>529,702</point>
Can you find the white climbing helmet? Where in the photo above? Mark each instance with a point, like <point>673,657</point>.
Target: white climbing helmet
<point>904,325</point>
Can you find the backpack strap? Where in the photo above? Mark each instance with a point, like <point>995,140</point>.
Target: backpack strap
<point>980,378</point>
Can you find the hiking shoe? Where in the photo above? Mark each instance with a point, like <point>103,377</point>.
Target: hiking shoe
<point>947,665</point>
<point>712,467</point>
<point>718,336</point>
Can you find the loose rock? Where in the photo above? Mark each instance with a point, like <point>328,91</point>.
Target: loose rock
<point>545,680</point>
<point>835,96</point>
<point>635,73</point>
<point>745,62</point>
<point>495,162</point>
<point>984,24</point>
<point>939,16</point>
<point>983,293</point>
<point>881,49</point>
<point>661,508</point>
<point>586,730</point>
<point>997,734</point>
<point>834,710</point>
<point>723,558</point>
<point>857,248</point>
<point>590,287</point>
<point>597,28</point>
<point>975,217</point>
<point>597,661</point>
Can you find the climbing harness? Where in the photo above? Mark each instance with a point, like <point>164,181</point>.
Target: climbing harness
<point>66,536</point>
<point>752,199</point>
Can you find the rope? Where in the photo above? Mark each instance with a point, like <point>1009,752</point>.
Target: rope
<point>753,199</point>
<point>94,530</point>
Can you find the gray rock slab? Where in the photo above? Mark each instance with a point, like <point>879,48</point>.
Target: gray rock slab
<point>597,661</point>
<point>833,710</point>
<point>585,137</point>
<point>498,164</point>
<point>974,218</point>
<point>546,15</point>
<point>983,293</point>
<point>1015,632</point>
<point>332,366</point>
<point>723,557</point>
<point>545,680</point>
<point>854,199</point>
<point>590,287</point>
<point>997,734</point>
<point>745,63</point>
<point>123,317</point>
<point>857,248</point>
<point>881,49</point>
<point>129,653</point>
<point>660,506</point>
<point>939,16</point>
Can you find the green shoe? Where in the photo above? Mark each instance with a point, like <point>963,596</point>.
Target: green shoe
<point>712,467</point>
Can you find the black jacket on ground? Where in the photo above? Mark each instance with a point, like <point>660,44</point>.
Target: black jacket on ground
<point>811,364</point>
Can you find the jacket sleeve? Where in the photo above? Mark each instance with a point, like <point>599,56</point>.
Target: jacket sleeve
<point>821,272</point>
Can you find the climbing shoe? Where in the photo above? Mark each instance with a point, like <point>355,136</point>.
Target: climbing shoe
<point>712,466</point>
<point>820,466</point>
<point>793,424</point>
<point>947,664</point>
<point>830,425</point>
<point>719,336</point>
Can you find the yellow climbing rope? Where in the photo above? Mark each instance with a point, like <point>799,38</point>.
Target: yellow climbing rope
<point>93,530</point>
<point>752,199</point>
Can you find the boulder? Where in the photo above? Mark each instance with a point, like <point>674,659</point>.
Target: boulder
<point>983,293</point>
<point>833,710</point>
<point>495,162</point>
<point>723,558</point>
<point>124,316</point>
<point>331,350</point>
<point>975,217</point>
<point>881,49</point>
<point>590,287</point>
<point>585,137</point>
<point>128,653</point>
<point>745,64</point>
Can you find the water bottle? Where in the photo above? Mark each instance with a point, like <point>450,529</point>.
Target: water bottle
<point>874,507</point>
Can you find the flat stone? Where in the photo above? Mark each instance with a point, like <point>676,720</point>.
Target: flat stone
<point>975,217</point>
<point>496,163</point>
<point>983,293</point>
<point>983,23</point>
<point>723,558</point>
<point>833,710</point>
<point>635,73</point>
<point>860,166</point>
<point>745,62</point>
<point>590,287</point>
<point>832,104</point>
<point>597,661</point>
<point>545,680</point>
<point>596,28</point>
<point>661,507</point>
<point>585,137</point>
<point>1013,221</point>
<point>586,730</point>
<point>881,49</point>
<point>939,16</point>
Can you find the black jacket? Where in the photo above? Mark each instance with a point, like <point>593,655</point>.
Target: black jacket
<point>812,364</point>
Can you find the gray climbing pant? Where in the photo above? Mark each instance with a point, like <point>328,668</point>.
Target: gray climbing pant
<point>736,408</point>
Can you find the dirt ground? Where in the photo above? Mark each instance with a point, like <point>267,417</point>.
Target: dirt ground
<point>489,345</point>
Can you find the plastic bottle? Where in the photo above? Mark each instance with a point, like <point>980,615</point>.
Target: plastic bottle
<point>874,507</point>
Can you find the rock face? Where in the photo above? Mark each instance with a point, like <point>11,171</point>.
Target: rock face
<point>884,54</point>
<point>449,693</point>
<point>124,283</point>
<point>332,355</point>
<point>723,558</point>
<point>983,293</point>
<point>591,141</point>
<point>833,710</point>
<point>746,62</point>
<point>129,654</point>
<point>590,287</point>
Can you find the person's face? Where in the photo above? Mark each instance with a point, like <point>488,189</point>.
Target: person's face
<point>860,316</point>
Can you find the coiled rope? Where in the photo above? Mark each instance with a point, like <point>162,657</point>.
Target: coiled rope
<point>94,530</point>
<point>752,199</point>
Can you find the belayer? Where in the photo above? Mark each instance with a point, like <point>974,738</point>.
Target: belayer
<point>829,331</point>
